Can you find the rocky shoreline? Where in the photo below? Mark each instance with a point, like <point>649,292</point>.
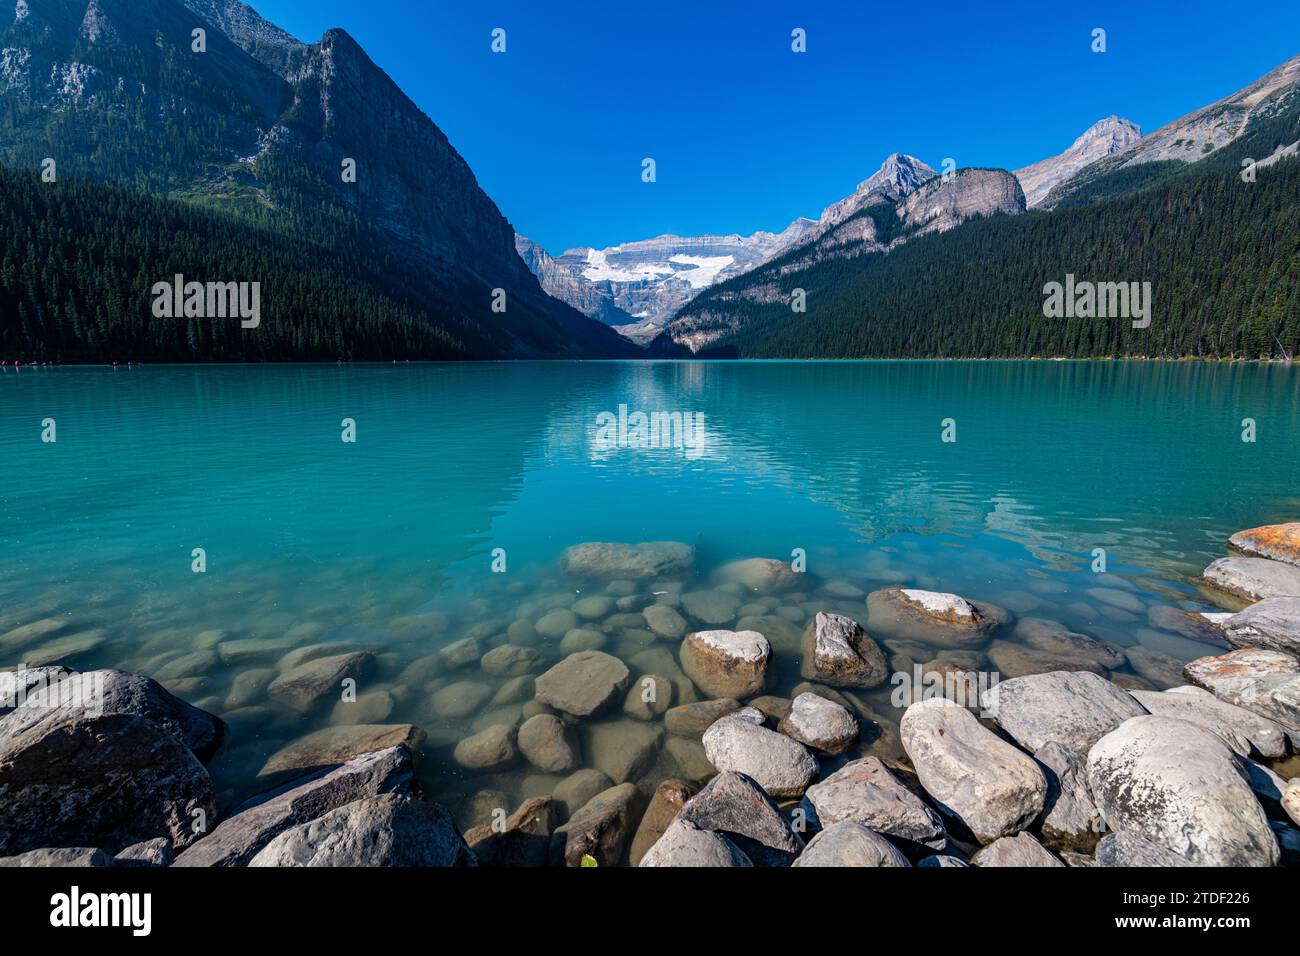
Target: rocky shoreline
<point>676,749</point>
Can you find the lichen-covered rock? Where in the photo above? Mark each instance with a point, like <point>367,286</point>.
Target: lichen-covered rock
<point>782,767</point>
<point>849,843</point>
<point>865,792</point>
<point>992,788</point>
<point>583,684</point>
<point>1177,785</point>
<point>1266,683</point>
<point>387,830</point>
<point>1273,624</point>
<point>1075,709</point>
<point>1291,801</point>
<point>820,724</point>
<point>1253,579</point>
<point>727,664</point>
<point>1129,849</point>
<point>837,651</point>
<point>1280,542</point>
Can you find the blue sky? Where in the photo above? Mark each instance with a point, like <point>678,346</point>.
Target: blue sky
<point>748,135</point>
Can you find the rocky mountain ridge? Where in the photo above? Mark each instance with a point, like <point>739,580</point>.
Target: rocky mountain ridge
<point>1101,139</point>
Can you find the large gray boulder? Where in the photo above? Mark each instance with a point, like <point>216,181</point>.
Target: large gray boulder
<point>584,683</point>
<point>253,825</point>
<point>1129,849</point>
<point>727,664</point>
<point>1234,725</point>
<point>736,806</point>
<point>1070,818</point>
<point>685,844</point>
<point>103,759</point>
<point>1075,709</point>
<point>1020,850</point>
<point>1273,624</point>
<point>837,651</point>
<point>781,766</point>
<point>992,788</point>
<point>1177,785</point>
<point>387,830</point>
<point>849,843</point>
<point>1264,682</point>
<point>631,562</point>
<point>864,791</point>
<point>1253,579</point>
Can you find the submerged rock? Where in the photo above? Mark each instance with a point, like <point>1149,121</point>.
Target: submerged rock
<point>1280,542</point>
<point>1020,660</point>
<point>545,742</point>
<point>253,825</point>
<point>631,562</point>
<point>685,844</point>
<point>488,749</point>
<point>307,684</point>
<point>336,745</point>
<point>1177,785</point>
<point>460,699</point>
<point>727,664</point>
<point>865,792</point>
<point>988,785</point>
<point>1056,640</point>
<point>691,720</point>
<point>711,607</point>
<point>760,574</point>
<point>599,828</point>
<point>1073,709</point>
<point>948,617</point>
<point>736,806</point>
<point>578,788</point>
<point>623,749</point>
<point>523,840</point>
<point>1019,850</point>
<point>849,843</point>
<point>665,621</point>
<point>1272,624</point>
<point>460,653</point>
<point>781,766</point>
<point>649,697</point>
<point>509,660</point>
<point>584,683</point>
<point>820,724</point>
<point>1253,579</point>
<point>388,830</point>
<point>837,651</point>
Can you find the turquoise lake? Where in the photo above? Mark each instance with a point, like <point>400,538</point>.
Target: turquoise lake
<point>387,543</point>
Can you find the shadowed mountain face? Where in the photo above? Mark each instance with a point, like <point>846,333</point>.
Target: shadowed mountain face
<point>249,121</point>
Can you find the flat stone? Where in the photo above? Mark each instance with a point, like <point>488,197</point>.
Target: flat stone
<point>1075,709</point>
<point>387,830</point>
<point>460,699</point>
<point>623,750</point>
<point>1253,579</point>
<point>668,800</point>
<point>782,767</point>
<point>736,806</point>
<point>306,685</point>
<point>1229,723</point>
<point>1266,683</point>
<point>337,745</point>
<point>631,562</point>
<point>711,607</point>
<point>1177,785</point>
<point>727,664</point>
<point>665,621</point>
<point>975,777</point>
<point>837,651</point>
<point>1019,850</point>
<point>584,683</point>
<point>545,742</point>
<point>1280,542</point>
<point>599,828</point>
<point>820,724</point>
<point>253,825</point>
<point>1272,624</point>
<point>864,791</point>
<point>849,843</point>
<point>509,660</point>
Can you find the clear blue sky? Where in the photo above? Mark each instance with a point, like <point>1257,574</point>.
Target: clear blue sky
<point>748,135</point>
